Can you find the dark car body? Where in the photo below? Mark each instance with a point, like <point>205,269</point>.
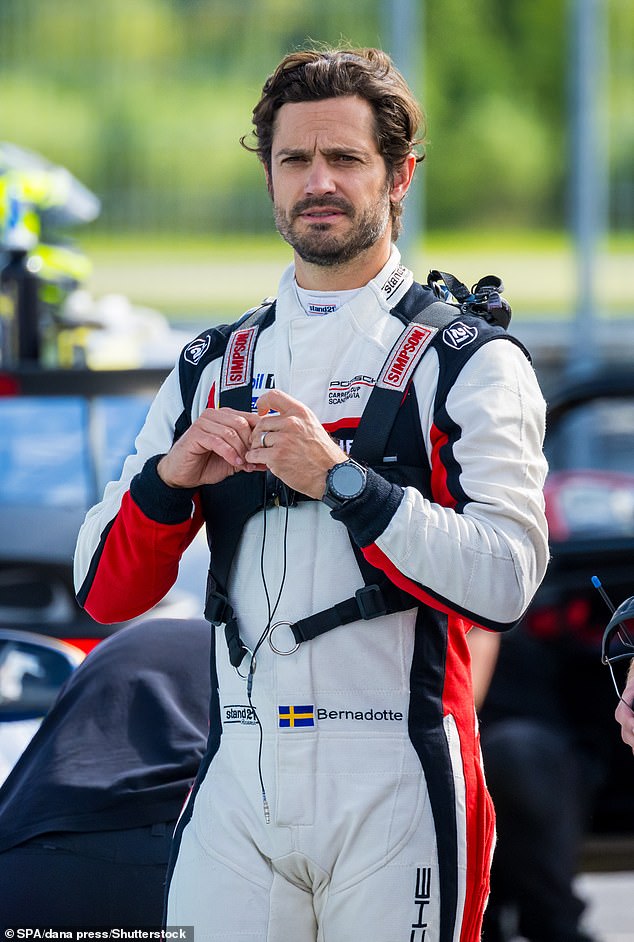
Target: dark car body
<point>550,666</point>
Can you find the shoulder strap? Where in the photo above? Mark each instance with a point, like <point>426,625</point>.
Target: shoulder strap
<point>211,344</point>
<point>236,378</point>
<point>426,312</point>
<point>424,316</point>
<point>241,495</point>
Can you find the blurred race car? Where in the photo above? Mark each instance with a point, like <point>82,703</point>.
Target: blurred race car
<point>63,438</point>
<point>33,669</point>
<point>590,503</point>
<point>77,375</point>
<point>549,670</point>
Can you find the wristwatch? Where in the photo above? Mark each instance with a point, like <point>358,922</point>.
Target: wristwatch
<point>344,482</point>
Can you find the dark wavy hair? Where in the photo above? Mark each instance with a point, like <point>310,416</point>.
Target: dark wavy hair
<point>316,74</point>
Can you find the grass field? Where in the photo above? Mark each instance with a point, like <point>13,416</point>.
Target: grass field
<point>194,279</point>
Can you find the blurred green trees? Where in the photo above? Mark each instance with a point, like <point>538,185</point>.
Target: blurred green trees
<point>145,101</point>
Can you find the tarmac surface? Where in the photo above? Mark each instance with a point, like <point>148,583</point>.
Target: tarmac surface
<point>610,913</point>
<point>610,901</point>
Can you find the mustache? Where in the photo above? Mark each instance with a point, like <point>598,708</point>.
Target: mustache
<point>330,202</point>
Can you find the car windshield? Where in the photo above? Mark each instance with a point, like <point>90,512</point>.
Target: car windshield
<point>61,451</point>
<point>590,487</point>
<point>597,435</point>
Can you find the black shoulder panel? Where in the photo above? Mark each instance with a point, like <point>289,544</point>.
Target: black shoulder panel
<point>456,344</point>
<point>208,346</point>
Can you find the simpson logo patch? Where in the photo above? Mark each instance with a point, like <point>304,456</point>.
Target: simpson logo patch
<point>196,349</point>
<point>238,357</point>
<point>459,335</point>
<point>405,355</point>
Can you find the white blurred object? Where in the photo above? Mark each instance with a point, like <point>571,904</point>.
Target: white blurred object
<point>14,738</point>
<point>112,333</point>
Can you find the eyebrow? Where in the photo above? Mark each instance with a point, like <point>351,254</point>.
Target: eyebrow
<point>327,152</point>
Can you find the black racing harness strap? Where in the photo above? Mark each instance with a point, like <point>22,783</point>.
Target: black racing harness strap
<point>423,315</point>
<point>423,320</point>
<point>236,378</point>
<point>236,392</point>
<point>422,324</point>
<point>195,359</point>
<point>368,602</point>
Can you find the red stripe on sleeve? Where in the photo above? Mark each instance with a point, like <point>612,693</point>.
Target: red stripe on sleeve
<point>439,487</point>
<point>377,558</point>
<point>138,563</point>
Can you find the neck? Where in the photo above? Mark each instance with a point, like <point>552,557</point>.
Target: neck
<point>353,274</point>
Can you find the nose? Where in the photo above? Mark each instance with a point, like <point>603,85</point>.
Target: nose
<point>320,179</point>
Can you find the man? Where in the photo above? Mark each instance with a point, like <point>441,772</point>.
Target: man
<point>344,798</point>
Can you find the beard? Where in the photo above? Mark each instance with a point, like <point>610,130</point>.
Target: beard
<point>318,245</point>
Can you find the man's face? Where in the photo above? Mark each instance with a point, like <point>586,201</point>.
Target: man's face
<point>329,183</point>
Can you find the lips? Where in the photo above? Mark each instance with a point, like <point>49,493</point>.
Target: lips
<point>321,212</point>
<point>322,215</point>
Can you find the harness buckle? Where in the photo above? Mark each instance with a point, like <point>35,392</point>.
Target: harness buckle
<point>274,647</point>
<point>371,602</point>
<point>252,664</point>
<point>218,611</point>
<point>278,493</point>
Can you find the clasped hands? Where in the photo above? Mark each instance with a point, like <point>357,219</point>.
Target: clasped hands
<point>284,436</point>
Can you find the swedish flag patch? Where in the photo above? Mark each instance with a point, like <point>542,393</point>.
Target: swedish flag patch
<point>294,716</point>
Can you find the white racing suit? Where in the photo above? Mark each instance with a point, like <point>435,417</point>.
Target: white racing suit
<point>381,827</point>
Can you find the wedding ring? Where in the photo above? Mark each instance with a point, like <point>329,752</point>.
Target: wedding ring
<point>263,440</point>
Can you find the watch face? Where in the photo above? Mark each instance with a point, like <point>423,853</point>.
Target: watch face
<point>347,480</point>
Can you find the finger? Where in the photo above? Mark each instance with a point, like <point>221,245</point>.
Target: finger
<point>261,435</point>
<point>231,452</point>
<point>234,427</point>
<point>233,417</point>
<point>224,442</point>
<point>275,400</point>
<point>227,416</point>
<point>262,450</point>
<point>260,453</point>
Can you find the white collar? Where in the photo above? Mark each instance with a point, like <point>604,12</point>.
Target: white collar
<point>388,286</point>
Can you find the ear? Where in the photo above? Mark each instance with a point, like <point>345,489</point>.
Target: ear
<point>403,177</point>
